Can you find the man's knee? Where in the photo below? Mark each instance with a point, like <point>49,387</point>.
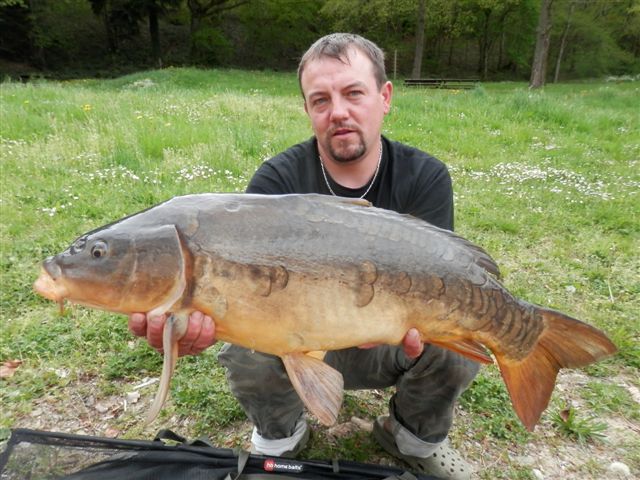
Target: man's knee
<point>247,369</point>
<point>262,386</point>
<point>445,367</point>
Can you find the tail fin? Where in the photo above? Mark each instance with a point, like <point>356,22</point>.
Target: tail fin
<point>564,343</point>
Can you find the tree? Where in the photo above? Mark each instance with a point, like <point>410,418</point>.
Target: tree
<point>385,22</point>
<point>417,59</point>
<point>15,28</point>
<point>543,39</point>
<point>630,35</point>
<point>273,33</point>
<point>204,25</point>
<point>43,33</point>
<point>563,42</point>
<point>492,15</point>
<point>495,38</point>
<point>600,39</point>
<point>122,18</point>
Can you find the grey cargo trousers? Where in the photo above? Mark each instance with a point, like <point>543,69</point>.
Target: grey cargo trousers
<point>426,387</point>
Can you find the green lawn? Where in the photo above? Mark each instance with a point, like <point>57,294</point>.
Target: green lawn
<point>547,181</point>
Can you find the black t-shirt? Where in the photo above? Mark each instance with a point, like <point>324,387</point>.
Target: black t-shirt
<point>409,181</point>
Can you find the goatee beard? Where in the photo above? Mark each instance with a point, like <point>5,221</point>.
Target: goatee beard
<point>346,152</point>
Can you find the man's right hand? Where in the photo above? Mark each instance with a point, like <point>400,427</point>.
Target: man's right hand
<point>201,332</point>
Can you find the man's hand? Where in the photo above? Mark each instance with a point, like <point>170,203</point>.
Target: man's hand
<point>412,344</point>
<point>201,332</point>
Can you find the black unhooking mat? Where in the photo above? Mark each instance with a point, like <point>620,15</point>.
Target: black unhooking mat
<point>37,455</point>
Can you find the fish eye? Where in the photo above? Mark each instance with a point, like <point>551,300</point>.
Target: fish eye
<point>99,249</point>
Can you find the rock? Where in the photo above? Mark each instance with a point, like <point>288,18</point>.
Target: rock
<point>362,424</point>
<point>619,469</point>
<point>8,368</point>
<point>525,460</point>
<point>346,429</point>
<point>133,397</point>
<point>537,474</point>
<point>342,430</point>
<point>635,393</point>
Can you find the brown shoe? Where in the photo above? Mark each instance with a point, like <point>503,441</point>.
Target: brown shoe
<point>444,462</point>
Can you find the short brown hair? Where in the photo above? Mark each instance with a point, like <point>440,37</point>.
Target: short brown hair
<point>337,46</point>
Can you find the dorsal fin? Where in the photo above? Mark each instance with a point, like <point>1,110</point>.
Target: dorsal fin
<point>480,255</point>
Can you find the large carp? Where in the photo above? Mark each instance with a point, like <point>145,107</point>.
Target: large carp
<point>294,274</point>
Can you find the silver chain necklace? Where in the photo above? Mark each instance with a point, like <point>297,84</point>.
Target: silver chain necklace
<point>373,180</point>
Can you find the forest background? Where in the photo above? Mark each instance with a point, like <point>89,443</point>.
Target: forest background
<point>490,40</point>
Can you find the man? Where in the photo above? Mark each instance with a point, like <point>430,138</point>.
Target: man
<point>346,96</point>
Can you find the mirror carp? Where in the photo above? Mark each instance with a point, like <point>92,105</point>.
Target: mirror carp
<point>291,275</point>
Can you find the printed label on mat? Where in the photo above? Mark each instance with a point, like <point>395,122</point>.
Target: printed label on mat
<point>277,465</point>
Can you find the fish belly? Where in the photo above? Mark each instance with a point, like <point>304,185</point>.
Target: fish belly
<point>307,313</point>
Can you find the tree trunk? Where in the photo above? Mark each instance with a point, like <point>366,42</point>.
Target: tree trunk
<point>154,33</point>
<point>194,25</point>
<point>417,59</point>
<point>485,47</point>
<point>451,31</point>
<point>563,43</point>
<point>197,14</point>
<point>543,38</point>
<point>501,44</point>
<point>112,39</point>
<point>451,45</point>
<point>503,36</point>
<point>36,51</point>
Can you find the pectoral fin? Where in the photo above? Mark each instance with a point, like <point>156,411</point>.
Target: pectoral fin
<point>319,386</point>
<point>174,329</point>
<point>319,354</point>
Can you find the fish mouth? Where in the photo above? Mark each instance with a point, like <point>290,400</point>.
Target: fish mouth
<point>47,286</point>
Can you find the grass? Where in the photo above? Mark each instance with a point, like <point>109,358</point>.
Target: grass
<point>581,429</point>
<point>546,181</point>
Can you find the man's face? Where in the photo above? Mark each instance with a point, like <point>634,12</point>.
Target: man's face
<point>345,105</point>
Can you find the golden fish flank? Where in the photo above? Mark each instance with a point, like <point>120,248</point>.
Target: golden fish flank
<point>282,275</point>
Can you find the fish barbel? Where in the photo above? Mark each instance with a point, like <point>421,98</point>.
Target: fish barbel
<point>290,275</point>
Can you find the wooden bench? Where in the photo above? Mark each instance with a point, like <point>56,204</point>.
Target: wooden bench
<point>450,83</point>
